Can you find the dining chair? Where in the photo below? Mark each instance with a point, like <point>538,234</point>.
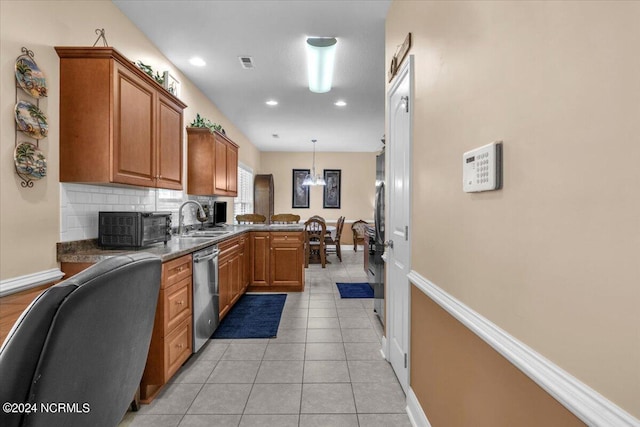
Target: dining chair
<point>358,233</point>
<point>285,219</point>
<point>314,241</point>
<point>318,217</point>
<point>335,241</point>
<point>251,219</point>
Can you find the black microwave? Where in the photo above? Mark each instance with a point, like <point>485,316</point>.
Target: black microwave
<point>133,229</point>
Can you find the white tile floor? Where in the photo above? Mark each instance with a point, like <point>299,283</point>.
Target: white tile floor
<point>323,369</point>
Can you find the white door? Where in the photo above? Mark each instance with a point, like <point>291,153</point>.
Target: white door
<point>397,228</point>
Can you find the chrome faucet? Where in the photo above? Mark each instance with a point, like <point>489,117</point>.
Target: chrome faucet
<point>181,216</point>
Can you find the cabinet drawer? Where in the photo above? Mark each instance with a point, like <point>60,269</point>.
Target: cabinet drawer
<point>176,270</point>
<point>227,245</point>
<point>177,347</point>
<point>285,237</point>
<point>177,303</point>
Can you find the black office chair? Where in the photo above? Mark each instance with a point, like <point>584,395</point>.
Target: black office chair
<point>82,343</point>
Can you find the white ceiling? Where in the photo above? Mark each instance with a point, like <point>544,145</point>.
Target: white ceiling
<point>274,34</point>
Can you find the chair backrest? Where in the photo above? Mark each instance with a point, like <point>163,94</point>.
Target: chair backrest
<point>339,226</point>
<point>358,229</point>
<point>285,219</point>
<point>83,340</point>
<point>251,219</point>
<point>318,217</point>
<point>315,231</point>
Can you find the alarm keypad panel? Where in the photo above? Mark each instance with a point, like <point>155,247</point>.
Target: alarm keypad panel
<point>482,168</point>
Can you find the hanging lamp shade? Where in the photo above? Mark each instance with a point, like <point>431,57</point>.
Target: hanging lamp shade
<point>312,178</point>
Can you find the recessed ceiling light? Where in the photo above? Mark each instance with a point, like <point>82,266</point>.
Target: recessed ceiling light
<point>271,102</point>
<point>340,103</point>
<point>197,61</point>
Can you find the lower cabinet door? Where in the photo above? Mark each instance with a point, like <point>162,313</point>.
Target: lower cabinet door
<point>178,347</point>
<point>261,249</point>
<point>224,283</point>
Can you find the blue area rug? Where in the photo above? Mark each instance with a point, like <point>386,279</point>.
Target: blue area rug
<point>355,290</point>
<point>253,316</point>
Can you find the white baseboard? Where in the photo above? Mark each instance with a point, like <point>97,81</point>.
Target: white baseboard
<point>584,402</point>
<point>384,349</point>
<point>416,415</point>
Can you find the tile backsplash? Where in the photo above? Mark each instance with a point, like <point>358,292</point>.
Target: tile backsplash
<point>80,204</point>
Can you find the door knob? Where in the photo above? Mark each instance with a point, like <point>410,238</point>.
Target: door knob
<point>389,243</point>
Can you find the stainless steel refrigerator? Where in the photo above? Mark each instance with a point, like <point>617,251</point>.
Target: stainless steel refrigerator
<point>376,241</point>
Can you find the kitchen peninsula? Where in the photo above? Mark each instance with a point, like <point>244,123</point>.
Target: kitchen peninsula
<point>75,256</point>
<point>264,258</point>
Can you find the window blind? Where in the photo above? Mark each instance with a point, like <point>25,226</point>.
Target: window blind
<point>243,204</point>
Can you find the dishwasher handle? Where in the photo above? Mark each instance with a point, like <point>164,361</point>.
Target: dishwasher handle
<point>212,255</point>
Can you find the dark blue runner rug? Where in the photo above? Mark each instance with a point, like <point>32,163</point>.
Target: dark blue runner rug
<point>355,290</point>
<point>253,316</point>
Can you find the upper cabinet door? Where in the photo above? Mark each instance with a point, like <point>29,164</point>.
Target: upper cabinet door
<point>117,124</point>
<point>133,130</point>
<point>232,170</point>
<point>220,180</point>
<point>169,144</point>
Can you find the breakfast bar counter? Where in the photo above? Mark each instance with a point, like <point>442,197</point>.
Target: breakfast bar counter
<point>88,251</point>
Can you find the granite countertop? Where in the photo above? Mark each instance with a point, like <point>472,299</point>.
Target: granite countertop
<point>89,251</point>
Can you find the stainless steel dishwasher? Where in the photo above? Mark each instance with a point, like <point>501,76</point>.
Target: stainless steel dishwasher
<point>206,295</point>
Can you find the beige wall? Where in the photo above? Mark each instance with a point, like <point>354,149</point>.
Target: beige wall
<point>552,258</point>
<point>29,218</point>
<point>358,183</point>
<point>470,384</point>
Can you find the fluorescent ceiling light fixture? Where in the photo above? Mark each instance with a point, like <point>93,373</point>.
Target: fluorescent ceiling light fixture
<point>340,103</point>
<point>271,102</point>
<point>321,53</point>
<point>312,178</point>
<point>197,61</point>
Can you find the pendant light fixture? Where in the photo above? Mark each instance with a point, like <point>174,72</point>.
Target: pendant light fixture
<point>312,178</point>
<point>321,53</point>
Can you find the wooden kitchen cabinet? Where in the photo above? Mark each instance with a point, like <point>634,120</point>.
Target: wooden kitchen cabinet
<point>287,259</point>
<point>117,125</point>
<point>212,163</point>
<point>263,195</point>
<point>171,340</point>
<point>232,268</point>
<point>261,248</point>
<point>278,261</point>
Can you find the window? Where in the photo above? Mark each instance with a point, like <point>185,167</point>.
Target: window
<point>243,204</point>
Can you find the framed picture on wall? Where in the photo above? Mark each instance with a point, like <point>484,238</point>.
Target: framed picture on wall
<point>300,193</point>
<point>331,196</point>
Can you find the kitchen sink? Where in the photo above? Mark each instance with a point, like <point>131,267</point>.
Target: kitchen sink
<point>193,238</point>
<point>203,234</point>
<point>207,233</point>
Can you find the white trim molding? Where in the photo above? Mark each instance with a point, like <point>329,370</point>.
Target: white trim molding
<point>583,401</point>
<point>28,281</point>
<point>416,415</point>
<point>384,348</point>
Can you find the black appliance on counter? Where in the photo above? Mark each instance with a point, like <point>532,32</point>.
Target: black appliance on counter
<point>375,264</point>
<point>133,229</point>
<point>219,213</point>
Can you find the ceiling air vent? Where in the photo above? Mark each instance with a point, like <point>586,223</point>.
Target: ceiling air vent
<point>246,61</point>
